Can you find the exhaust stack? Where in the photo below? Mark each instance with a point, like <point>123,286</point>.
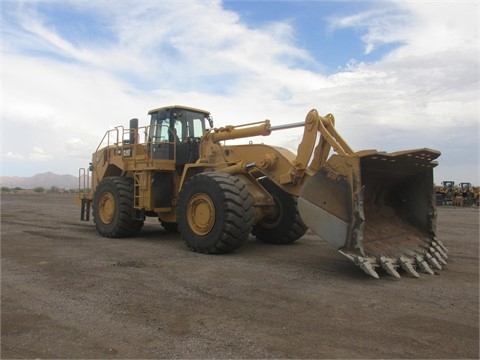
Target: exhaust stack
<point>133,131</point>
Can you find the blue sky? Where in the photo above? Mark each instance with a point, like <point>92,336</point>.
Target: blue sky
<point>397,75</point>
<point>315,30</point>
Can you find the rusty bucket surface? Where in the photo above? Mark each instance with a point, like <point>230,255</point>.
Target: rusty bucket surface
<point>377,209</point>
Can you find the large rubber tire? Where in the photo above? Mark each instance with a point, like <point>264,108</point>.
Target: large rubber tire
<point>113,208</point>
<point>286,226</point>
<point>170,227</point>
<point>215,213</point>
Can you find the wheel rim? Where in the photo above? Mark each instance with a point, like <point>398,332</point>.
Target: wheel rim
<point>273,220</point>
<point>201,214</point>
<point>107,208</point>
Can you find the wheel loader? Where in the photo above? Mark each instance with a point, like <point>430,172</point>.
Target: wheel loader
<point>376,208</point>
<point>446,192</point>
<point>469,193</point>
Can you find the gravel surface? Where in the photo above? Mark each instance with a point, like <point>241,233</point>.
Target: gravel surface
<point>66,292</point>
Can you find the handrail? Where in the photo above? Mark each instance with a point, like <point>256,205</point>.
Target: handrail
<point>117,137</point>
<point>83,174</point>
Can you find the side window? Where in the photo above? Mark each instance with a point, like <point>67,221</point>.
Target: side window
<point>159,130</point>
<point>198,127</point>
<point>179,130</point>
<point>162,130</point>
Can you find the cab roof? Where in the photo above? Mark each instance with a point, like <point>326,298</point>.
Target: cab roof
<point>179,107</point>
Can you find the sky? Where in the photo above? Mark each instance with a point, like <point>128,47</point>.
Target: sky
<point>396,75</point>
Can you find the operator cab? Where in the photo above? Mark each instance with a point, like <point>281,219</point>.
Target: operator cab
<point>175,133</point>
<point>448,184</point>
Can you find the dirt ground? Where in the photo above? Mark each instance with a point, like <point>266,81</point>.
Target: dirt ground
<point>66,292</point>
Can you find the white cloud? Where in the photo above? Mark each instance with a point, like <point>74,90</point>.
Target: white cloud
<point>36,154</point>
<point>39,154</point>
<point>80,148</point>
<point>447,26</point>
<point>198,54</point>
<point>381,25</point>
<point>14,156</point>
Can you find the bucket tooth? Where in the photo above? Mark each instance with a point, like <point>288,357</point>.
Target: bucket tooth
<point>441,252</point>
<point>388,266</point>
<point>422,264</point>
<point>366,266</point>
<point>407,266</point>
<point>347,255</point>
<point>439,249</point>
<point>432,261</point>
<point>439,257</point>
<point>444,248</point>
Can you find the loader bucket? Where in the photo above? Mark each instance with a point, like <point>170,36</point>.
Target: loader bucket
<point>377,209</point>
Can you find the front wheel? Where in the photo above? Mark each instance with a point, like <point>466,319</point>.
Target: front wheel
<point>215,213</point>
<point>113,208</point>
<point>284,226</point>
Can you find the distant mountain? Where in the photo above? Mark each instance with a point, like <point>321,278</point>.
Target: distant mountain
<point>45,180</point>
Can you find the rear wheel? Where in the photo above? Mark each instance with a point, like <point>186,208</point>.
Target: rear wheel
<point>215,213</point>
<point>284,226</point>
<point>113,208</point>
<point>171,227</point>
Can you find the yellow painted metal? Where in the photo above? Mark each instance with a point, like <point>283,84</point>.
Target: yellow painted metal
<point>179,107</point>
<point>237,132</point>
<point>107,207</point>
<point>346,197</point>
<point>201,214</point>
<point>273,215</point>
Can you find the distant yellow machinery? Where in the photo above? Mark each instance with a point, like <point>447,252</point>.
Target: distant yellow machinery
<point>469,193</point>
<point>462,195</point>
<point>445,193</point>
<point>375,208</point>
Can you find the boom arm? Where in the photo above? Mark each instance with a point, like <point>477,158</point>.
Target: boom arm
<point>314,124</point>
<point>299,164</point>
<point>375,208</point>
<point>330,138</point>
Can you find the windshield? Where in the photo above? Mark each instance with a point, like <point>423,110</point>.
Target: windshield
<point>176,125</point>
<point>189,124</point>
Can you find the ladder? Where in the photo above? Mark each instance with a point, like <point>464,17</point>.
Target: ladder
<point>86,200</point>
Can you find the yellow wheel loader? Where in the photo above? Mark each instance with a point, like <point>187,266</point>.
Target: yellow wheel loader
<point>445,193</point>
<point>468,193</point>
<point>375,208</point>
